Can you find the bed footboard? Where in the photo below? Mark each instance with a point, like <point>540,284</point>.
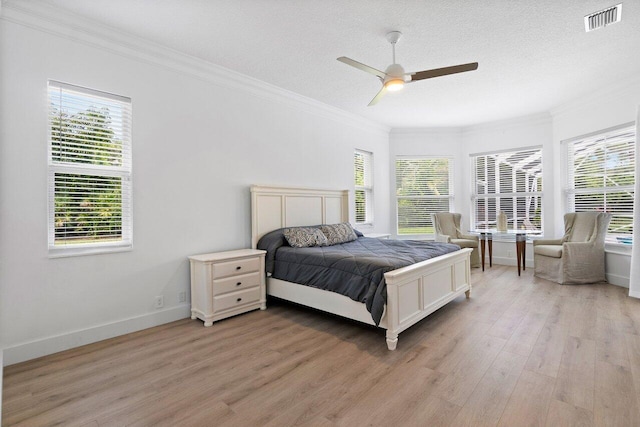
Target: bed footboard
<point>415,291</point>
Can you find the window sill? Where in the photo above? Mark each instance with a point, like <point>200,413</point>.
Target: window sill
<point>512,239</point>
<point>618,248</point>
<point>65,252</point>
<point>378,235</point>
<point>364,227</point>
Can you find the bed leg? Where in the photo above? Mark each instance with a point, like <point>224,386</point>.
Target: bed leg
<point>468,293</point>
<point>392,340</point>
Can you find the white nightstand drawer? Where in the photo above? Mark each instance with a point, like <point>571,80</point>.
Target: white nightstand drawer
<point>234,299</point>
<point>240,266</point>
<point>236,283</point>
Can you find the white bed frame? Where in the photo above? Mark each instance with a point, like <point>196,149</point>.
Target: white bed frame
<point>413,292</point>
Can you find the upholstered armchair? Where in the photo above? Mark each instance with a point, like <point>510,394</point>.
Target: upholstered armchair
<point>447,226</point>
<point>579,256</point>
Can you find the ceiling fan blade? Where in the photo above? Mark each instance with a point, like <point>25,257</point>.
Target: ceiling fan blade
<point>377,98</point>
<point>362,67</point>
<point>437,72</point>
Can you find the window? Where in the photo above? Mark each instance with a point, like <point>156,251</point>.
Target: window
<point>363,163</point>
<point>511,182</point>
<point>89,170</point>
<point>601,176</point>
<point>423,186</point>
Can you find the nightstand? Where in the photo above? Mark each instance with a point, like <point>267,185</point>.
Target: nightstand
<point>224,284</point>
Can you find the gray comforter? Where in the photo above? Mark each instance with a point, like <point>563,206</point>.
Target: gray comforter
<point>354,269</point>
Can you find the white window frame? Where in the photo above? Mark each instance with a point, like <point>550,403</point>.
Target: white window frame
<point>367,188</point>
<point>122,171</point>
<point>427,217</point>
<point>512,223</point>
<point>601,138</point>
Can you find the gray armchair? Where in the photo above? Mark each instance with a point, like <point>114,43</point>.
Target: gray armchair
<point>447,227</point>
<point>579,256</point>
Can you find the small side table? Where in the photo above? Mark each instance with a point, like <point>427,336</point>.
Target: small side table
<point>486,239</point>
<point>224,284</point>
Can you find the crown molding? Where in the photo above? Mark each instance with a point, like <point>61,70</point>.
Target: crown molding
<point>453,130</point>
<point>598,96</point>
<point>43,17</point>
<point>528,120</point>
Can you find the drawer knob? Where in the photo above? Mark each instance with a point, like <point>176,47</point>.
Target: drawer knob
<point>239,283</point>
<point>238,267</point>
<point>239,299</point>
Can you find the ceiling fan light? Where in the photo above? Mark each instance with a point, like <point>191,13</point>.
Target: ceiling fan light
<point>394,85</point>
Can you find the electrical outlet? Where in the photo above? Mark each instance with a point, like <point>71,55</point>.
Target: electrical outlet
<point>182,296</point>
<point>159,301</point>
<point>510,254</point>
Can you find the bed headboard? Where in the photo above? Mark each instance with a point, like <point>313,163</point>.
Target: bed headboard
<point>278,207</point>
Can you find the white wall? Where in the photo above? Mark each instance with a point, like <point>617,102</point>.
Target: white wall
<point>199,142</point>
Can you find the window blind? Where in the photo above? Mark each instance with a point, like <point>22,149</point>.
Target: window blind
<point>510,182</point>
<point>423,186</point>
<point>601,176</point>
<point>89,168</point>
<point>363,164</point>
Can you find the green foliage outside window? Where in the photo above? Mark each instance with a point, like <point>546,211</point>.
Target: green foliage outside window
<point>422,188</point>
<point>360,196</point>
<point>604,179</point>
<point>88,207</point>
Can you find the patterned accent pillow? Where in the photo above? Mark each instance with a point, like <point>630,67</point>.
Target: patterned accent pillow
<point>339,233</point>
<point>304,237</point>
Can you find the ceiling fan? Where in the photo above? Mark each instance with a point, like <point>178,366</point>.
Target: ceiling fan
<point>394,77</point>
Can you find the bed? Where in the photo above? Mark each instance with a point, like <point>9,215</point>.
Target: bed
<point>412,292</point>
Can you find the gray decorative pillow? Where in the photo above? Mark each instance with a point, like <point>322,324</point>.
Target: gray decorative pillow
<point>339,233</point>
<point>304,237</point>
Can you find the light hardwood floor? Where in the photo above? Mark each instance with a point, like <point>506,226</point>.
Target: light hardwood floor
<point>522,351</point>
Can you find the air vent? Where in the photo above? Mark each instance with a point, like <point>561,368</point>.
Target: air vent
<point>601,19</point>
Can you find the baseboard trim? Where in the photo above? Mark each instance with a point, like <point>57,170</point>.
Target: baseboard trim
<point>616,279</point>
<point>634,294</point>
<point>43,347</point>
<point>509,261</point>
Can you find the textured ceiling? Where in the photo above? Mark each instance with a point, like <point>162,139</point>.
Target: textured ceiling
<point>533,55</point>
